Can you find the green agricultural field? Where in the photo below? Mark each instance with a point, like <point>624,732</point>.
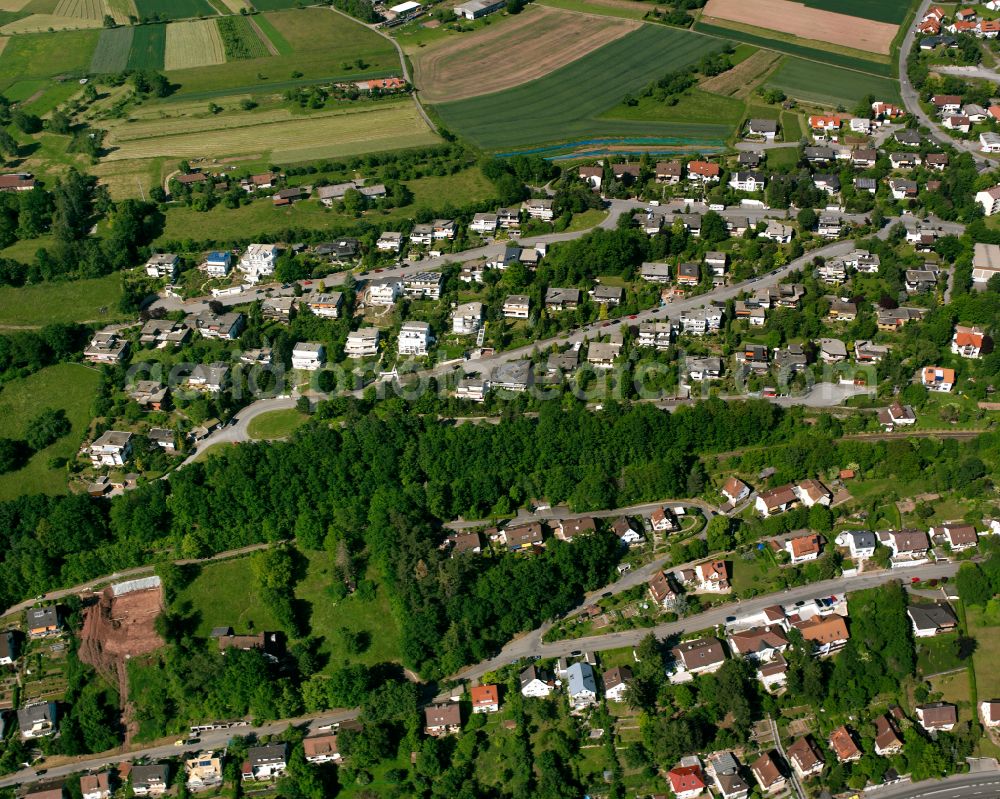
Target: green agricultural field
<point>112,51</point>
<point>46,55</point>
<point>826,85</point>
<point>173,9</point>
<point>149,46</point>
<point>791,48</point>
<point>694,106</point>
<point>276,39</point>
<point>63,301</point>
<point>67,386</point>
<point>274,5</point>
<point>893,11</point>
<point>240,39</point>
<point>553,109</point>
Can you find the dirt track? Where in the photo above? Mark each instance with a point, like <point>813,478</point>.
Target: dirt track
<point>539,41</point>
<point>116,629</point>
<point>785,16</point>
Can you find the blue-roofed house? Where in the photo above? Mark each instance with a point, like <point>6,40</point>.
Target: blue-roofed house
<point>581,685</point>
<point>218,264</point>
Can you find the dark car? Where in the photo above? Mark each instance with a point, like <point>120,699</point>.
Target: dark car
<point>607,594</point>
<point>575,653</point>
<point>730,619</point>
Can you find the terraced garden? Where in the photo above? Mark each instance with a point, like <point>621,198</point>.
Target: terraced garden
<point>553,109</point>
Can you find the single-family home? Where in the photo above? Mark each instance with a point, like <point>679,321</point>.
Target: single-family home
<point>985,262</point>
<point>568,529</point>
<point>536,683</point>
<point>958,122</point>
<point>813,492</point>
<point>484,224</point>
<point>106,346</point>
<point>259,261</point>
<point>860,543</point>
<point>513,376</point>
<point>165,265</point>
<point>844,747</point>
<point>37,720</point>
<point>747,181</point>
<point>326,304</point>
<point>607,295</point>
<point>805,757</point>
<point>735,490</point>
<point>485,698</point>
<point>321,749</point>
<point>776,500</point>
<point>825,123</point>
<point>522,537</point>
<point>903,189</point>
<point>686,782</point>
<point>218,264</point>
<point>703,171</point>
<point>929,620</point>
<point>887,738</point>
<point>967,341</point>
<point>699,656</point>
<point>957,536</point>
<point>443,719</point>
<point>777,232</point>
<point>581,686</point>
<point>669,172</point>
<point>759,643</point>
<point>265,762</point>
<point>946,103</point>
<point>700,368</point>
<point>663,520</point>
<point>989,199</point>
<point>767,773</point>
<point>655,272</point>
<point>113,448</point>
<point>803,548</point>
<point>937,378</point>
<point>95,786</point>
<point>989,142</point>
<point>8,648</point>
<point>150,780</point>
<point>278,309</point>
<point>989,713</point>
<point>713,575</point>
<point>539,209</point>
<point>616,682</point>
<point>517,306</point>
<point>308,355</point>
<point>561,299</point>
<point>827,634</point>
<point>467,318</point>
<point>910,544</point>
<point>203,771</point>
<point>764,128</point>
<point>937,716</point>
<point>655,334</point>
<point>663,590</point>
<point>341,250</point>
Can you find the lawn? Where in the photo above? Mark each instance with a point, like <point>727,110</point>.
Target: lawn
<point>68,386</point>
<point>95,299</point>
<point>937,654</point>
<point>261,218</point>
<point>148,47</point>
<point>44,55</point>
<point>552,109</point>
<point>586,220</point>
<point>826,85</point>
<point>276,424</point>
<point>954,688</point>
<point>791,126</point>
<point>173,9</point>
<point>987,654</point>
<point>693,106</point>
<point>223,594</point>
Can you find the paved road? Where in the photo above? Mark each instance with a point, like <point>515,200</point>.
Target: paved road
<point>912,101</point>
<point>238,428</point>
<point>62,767</point>
<point>531,643</point>
<point>974,785</point>
<point>980,71</point>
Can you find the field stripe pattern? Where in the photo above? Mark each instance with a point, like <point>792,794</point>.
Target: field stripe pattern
<point>819,83</point>
<point>193,43</point>
<point>554,108</point>
<point>148,46</point>
<point>508,55</point>
<point>240,39</point>
<point>112,51</point>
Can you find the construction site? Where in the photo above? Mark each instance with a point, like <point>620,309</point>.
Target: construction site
<point>119,626</point>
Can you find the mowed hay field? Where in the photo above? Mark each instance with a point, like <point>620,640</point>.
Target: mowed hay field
<point>193,43</point>
<point>519,50</point>
<point>174,9</point>
<point>741,79</point>
<point>148,47</point>
<point>317,42</point>
<point>112,51</point>
<point>800,20</point>
<point>826,85</point>
<point>285,136</point>
<point>564,105</point>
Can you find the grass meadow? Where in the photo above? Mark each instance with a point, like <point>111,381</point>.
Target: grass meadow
<point>67,386</point>
<point>275,424</point>
<point>821,83</point>
<point>694,106</point>
<point>59,301</point>
<point>148,47</point>
<point>40,56</point>
<point>552,109</point>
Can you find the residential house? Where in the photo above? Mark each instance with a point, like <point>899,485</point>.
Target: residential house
<point>725,770</point>
<point>989,142</point>
<point>844,747</point>
<point>278,309</point>
<point>523,537</point>
<point>989,199</point>
<point>699,321</point>
<point>887,738</point>
<point>819,155</point>
<point>663,520</point>
<point>424,285</point>
<point>946,103</point>
<point>218,264</point>
<point>716,262</point>
<point>791,360</point>
<point>805,757</point>
<point>517,306</point>
<point>893,319</point>
<point>616,682</point>
<point>259,261</point>
<point>151,394</point>
<point>776,231</point>
<point>832,350</point>
<point>813,492</point>
<point>897,415</point>
<point>905,543</point>
<point>747,181</point>
<point>165,265</point>
<point>265,763</point>
<point>509,218</point>
<point>568,529</point>
<point>321,749</point>
<point>930,620</point>
<point>937,161</point>
<point>512,376</point>
<point>485,698</point>
<point>8,648</point>
<point>422,234</point>
<point>384,292</point>
<point>37,720</point>
<point>203,771</point>
<point>270,644</point>
<point>607,295</point>
<point>467,318</point>
<point>345,249</point>
<point>832,271</point>
<point>937,716</point>
<point>957,536</point>
<point>626,531</point>
<point>150,780</point>
<point>749,159</point>
<point>17,181</point>
<point>860,543</point>
<point>967,341</point>
<point>989,712</point>
<point>669,172</point>
<point>908,137</point>
<point>663,589</point>
<point>686,782</point>
<point>592,175</point>
<point>163,333</point>
<point>414,338</point>
<point>581,686</point>
<point>43,621</point>
<point>326,305</point>
<point>535,683</point>
<point>803,548</point>
<point>958,122</point>
<point>96,786</point>
<point>842,311</point>
<point>765,128</point>
<point>558,299</point>
<point>226,326</point>
<point>362,343</point>
<point>484,224</point>
<point>626,173</point>
<point>701,368</point>
<point>828,182</point>
<point>866,184</point>
<point>106,346</point>
<point>713,576</point>
<point>985,261</point>
<point>163,438</point>
<point>866,351</point>
<point>735,490</point>
<point>389,241</point>
<point>767,773</point>
<point>113,448</point>
<point>539,209</point>
<point>777,500</point>
<point>828,226</point>
<point>937,378</point>
<point>655,272</point>
<point>761,644</point>
<point>903,189</point>
<point>465,543</point>
<point>904,160</point>
<point>828,634</point>
<point>264,181</point>
<point>688,274</point>
<point>700,656</point>
<point>443,719</point>
<point>703,171</point>
<point>655,334</point>
<point>308,355</point>
<point>825,124</point>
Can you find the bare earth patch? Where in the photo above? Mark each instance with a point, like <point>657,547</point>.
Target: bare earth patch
<point>537,42</point>
<point>808,23</point>
<point>741,79</point>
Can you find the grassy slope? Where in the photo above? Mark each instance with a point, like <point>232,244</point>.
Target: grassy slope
<point>553,108</point>
<point>43,55</point>
<point>69,301</point>
<point>68,386</point>
<point>276,424</point>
